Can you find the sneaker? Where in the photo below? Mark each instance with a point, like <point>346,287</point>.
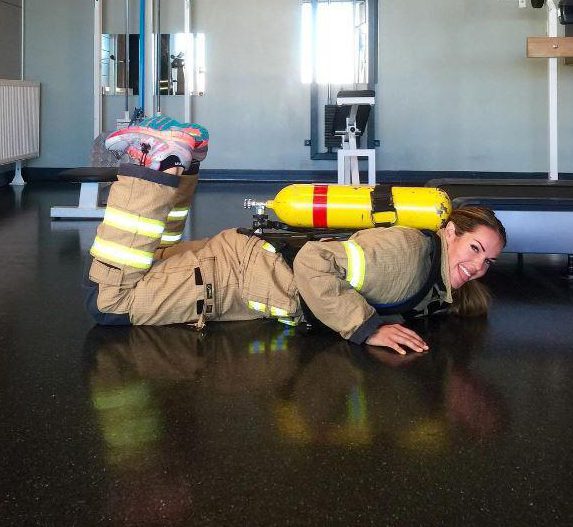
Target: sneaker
<point>152,140</point>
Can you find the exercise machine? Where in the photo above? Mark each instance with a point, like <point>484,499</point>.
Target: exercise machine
<point>349,123</point>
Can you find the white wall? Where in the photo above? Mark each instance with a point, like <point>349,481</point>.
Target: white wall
<point>10,39</point>
<point>58,52</point>
<point>261,109</point>
<point>456,91</point>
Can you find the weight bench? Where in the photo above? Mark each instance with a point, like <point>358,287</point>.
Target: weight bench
<point>93,180</point>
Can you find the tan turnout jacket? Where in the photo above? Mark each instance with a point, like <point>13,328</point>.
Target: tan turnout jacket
<point>340,280</point>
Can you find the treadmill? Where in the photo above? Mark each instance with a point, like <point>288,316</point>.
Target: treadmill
<point>537,214</point>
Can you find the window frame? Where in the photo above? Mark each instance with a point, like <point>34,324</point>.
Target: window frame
<point>315,87</point>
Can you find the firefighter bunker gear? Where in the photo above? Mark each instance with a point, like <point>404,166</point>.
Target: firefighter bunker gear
<point>142,273</point>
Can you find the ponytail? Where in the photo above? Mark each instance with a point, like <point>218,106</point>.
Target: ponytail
<point>471,300</point>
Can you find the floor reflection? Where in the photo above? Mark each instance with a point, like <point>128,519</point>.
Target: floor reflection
<point>166,396</point>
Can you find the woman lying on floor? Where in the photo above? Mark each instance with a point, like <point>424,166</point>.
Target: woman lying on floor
<point>362,287</point>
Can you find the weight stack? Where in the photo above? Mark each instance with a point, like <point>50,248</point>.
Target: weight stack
<point>330,140</point>
<point>565,13</point>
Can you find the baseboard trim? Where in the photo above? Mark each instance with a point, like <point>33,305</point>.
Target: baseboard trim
<point>35,174</point>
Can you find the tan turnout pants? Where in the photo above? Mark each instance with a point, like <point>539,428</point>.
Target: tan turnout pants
<point>154,279</point>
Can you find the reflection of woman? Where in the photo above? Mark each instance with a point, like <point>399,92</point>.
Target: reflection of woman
<point>252,357</point>
<point>470,401</point>
<point>467,400</point>
<point>121,354</point>
<point>132,376</point>
<point>237,277</point>
<point>161,395</point>
<point>319,389</point>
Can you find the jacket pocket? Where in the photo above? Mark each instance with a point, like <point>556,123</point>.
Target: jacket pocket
<point>269,284</point>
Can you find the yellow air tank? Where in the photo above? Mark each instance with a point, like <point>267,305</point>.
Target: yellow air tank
<point>359,207</point>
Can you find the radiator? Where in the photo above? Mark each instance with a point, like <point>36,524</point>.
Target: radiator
<point>19,120</point>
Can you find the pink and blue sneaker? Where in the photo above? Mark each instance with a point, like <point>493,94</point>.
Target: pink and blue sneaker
<point>161,142</point>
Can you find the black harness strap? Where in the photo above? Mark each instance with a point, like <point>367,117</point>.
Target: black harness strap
<point>382,201</point>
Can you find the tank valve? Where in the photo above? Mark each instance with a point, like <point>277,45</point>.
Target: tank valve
<point>259,206</point>
<point>260,217</point>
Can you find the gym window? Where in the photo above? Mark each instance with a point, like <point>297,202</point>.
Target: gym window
<point>192,47</point>
<point>334,41</point>
<point>196,68</point>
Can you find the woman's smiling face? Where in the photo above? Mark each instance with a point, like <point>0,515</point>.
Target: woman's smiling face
<point>470,254</point>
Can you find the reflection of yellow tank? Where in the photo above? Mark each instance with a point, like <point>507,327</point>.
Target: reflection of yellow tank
<point>360,207</point>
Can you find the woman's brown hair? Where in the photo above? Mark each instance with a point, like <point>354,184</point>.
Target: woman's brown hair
<point>473,298</point>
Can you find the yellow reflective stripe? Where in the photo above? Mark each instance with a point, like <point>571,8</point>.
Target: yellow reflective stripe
<point>171,237</point>
<point>274,311</point>
<point>356,264</point>
<point>256,346</point>
<point>278,312</point>
<point>122,255</point>
<point>268,247</point>
<point>288,321</point>
<point>178,214</point>
<point>133,223</point>
<point>257,306</point>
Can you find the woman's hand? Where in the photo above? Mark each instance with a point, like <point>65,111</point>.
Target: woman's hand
<point>396,336</point>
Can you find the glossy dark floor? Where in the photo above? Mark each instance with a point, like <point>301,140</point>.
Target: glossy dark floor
<point>252,424</point>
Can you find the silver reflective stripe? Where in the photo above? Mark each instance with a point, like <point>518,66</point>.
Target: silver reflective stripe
<point>178,214</point>
<point>278,312</point>
<point>356,264</point>
<point>120,254</point>
<point>282,314</point>
<point>133,223</point>
<point>288,321</point>
<point>268,247</point>
<point>169,238</point>
<point>257,306</point>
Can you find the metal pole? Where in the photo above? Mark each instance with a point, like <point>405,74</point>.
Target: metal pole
<point>190,66</point>
<point>314,88</point>
<point>22,40</point>
<point>142,55</point>
<point>157,20</point>
<point>97,67</point>
<point>149,58</point>
<point>126,58</point>
<point>552,90</point>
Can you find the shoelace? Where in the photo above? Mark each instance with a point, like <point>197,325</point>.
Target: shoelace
<point>145,148</point>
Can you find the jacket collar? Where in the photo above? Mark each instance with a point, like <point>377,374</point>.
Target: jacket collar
<point>446,286</point>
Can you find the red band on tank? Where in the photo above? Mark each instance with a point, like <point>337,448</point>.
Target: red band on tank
<point>319,206</point>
